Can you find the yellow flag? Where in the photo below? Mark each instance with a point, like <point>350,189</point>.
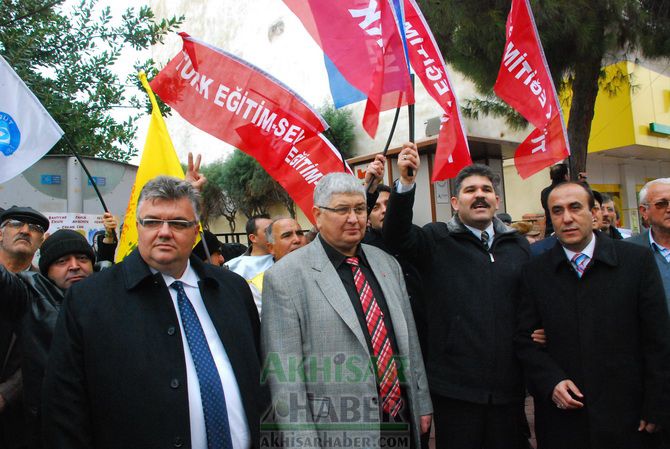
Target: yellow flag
<point>158,158</point>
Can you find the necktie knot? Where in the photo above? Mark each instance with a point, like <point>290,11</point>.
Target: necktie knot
<point>579,261</point>
<point>353,261</point>
<point>485,239</point>
<point>178,285</point>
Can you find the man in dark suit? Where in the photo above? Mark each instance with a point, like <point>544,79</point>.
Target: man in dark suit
<point>602,380</point>
<point>471,270</point>
<point>160,350</point>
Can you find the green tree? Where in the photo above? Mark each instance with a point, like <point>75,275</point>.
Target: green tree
<point>578,36</point>
<point>250,187</point>
<point>66,59</point>
<point>216,201</point>
<point>341,131</point>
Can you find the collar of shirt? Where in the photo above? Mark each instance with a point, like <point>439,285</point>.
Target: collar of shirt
<point>478,232</point>
<point>655,245</point>
<point>337,258</point>
<point>588,250</point>
<point>189,278</point>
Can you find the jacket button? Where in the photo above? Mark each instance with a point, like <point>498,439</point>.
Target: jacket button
<point>171,330</point>
<point>174,383</point>
<point>178,442</point>
<point>374,401</point>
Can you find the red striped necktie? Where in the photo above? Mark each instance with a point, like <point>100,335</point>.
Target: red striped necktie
<point>387,371</point>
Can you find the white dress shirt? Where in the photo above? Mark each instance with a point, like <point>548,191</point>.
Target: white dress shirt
<point>588,250</point>
<point>239,430</point>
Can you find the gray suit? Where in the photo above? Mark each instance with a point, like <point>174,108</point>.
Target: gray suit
<point>308,317</point>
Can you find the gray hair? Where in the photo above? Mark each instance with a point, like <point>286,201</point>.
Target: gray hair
<point>170,189</point>
<point>645,189</point>
<point>268,230</point>
<point>336,183</point>
<point>476,170</point>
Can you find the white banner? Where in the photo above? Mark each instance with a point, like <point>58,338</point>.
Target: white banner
<point>86,224</point>
<point>27,131</point>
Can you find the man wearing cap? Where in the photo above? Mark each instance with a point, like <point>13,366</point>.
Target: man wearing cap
<point>32,300</point>
<point>214,248</point>
<point>21,233</point>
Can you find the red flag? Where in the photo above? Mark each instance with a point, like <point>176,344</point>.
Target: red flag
<point>524,82</point>
<point>452,151</point>
<point>364,43</point>
<point>239,104</point>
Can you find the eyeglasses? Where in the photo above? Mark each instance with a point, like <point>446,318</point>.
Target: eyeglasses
<point>18,224</point>
<point>155,223</point>
<point>660,204</point>
<point>361,209</point>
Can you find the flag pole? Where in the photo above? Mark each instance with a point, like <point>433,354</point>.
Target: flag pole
<point>373,186</point>
<point>88,174</point>
<point>410,113</point>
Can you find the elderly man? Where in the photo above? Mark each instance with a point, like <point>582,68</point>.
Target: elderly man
<point>283,235</point>
<point>655,209</point>
<point>21,233</point>
<point>601,381</point>
<point>167,352</point>
<point>31,301</point>
<point>339,310</point>
<point>471,272</point>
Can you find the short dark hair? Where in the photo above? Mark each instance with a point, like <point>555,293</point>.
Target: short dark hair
<point>598,196</point>
<point>476,170</point>
<point>587,189</point>
<point>558,172</point>
<point>252,227</point>
<point>606,198</point>
<point>383,188</point>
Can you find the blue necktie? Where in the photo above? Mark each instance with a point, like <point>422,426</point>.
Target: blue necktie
<point>211,390</point>
<point>579,262</point>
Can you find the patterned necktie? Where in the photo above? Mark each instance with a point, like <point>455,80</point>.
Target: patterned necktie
<point>211,390</point>
<point>485,239</point>
<point>579,262</point>
<point>387,371</point>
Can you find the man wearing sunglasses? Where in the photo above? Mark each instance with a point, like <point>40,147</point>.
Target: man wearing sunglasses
<point>21,234</point>
<point>160,350</point>
<point>655,209</point>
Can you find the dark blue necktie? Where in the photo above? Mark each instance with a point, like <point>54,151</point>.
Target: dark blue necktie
<point>211,390</point>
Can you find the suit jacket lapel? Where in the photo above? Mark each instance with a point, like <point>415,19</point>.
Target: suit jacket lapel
<point>386,282</point>
<point>334,292</point>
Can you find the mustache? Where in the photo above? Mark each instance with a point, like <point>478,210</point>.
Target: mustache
<point>22,237</point>
<point>480,202</point>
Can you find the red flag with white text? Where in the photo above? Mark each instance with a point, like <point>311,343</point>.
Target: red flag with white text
<point>524,82</point>
<point>363,41</point>
<point>245,107</point>
<point>452,152</point>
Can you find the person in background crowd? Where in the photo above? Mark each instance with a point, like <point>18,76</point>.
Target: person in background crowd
<point>22,230</point>
<point>214,247</point>
<point>505,218</point>
<point>525,228</point>
<point>229,251</point>
<point>32,300</point>
<point>558,174</point>
<point>107,242</point>
<point>167,352</point>
<point>609,218</point>
<point>601,380</point>
<point>471,270</point>
<point>342,299</point>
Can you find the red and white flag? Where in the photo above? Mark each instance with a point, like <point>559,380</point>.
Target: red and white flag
<point>524,82</point>
<point>245,107</point>
<point>452,153</point>
<point>362,40</point>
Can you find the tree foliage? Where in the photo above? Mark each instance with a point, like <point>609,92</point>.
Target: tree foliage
<point>250,187</point>
<point>216,201</point>
<point>341,131</point>
<point>66,57</point>
<point>579,37</point>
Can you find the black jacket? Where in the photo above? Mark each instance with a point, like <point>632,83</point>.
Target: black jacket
<point>32,302</point>
<point>608,332</point>
<point>471,298</point>
<point>116,376</point>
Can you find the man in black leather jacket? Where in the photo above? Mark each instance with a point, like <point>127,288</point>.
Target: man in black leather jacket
<point>32,300</point>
